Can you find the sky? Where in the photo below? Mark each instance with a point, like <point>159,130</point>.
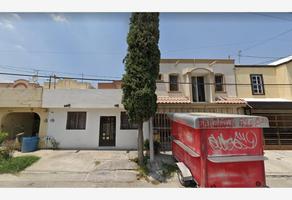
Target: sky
<point>94,44</point>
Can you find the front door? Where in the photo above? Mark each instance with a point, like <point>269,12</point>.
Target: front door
<point>198,89</point>
<point>107,131</point>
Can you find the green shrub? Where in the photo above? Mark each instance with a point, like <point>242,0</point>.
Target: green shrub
<point>168,169</point>
<point>7,149</point>
<point>143,170</point>
<point>3,137</point>
<point>6,146</point>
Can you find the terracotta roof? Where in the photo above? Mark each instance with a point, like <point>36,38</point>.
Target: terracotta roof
<point>229,100</point>
<point>186,100</point>
<point>176,99</point>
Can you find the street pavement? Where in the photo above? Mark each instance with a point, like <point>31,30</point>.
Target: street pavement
<point>278,168</point>
<point>70,168</point>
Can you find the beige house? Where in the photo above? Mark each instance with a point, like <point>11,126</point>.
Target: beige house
<point>278,73</point>
<point>194,85</point>
<point>268,92</point>
<point>20,109</point>
<point>200,83</point>
<point>191,85</point>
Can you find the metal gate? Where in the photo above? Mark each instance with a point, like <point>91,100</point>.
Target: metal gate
<point>279,135</point>
<point>161,130</point>
<point>162,127</point>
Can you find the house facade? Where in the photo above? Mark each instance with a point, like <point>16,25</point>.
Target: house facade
<point>89,119</point>
<point>21,109</point>
<point>194,85</point>
<point>268,92</point>
<point>193,78</point>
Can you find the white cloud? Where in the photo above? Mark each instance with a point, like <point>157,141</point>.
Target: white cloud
<point>19,47</point>
<point>59,18</point>
<point>15,16</point>
<point>6,21</point>
<point>6,24</point>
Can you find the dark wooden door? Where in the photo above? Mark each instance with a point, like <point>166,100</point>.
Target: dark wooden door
<point>107,131</point>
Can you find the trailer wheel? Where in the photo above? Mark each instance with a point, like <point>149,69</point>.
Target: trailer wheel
<point>181,180</point>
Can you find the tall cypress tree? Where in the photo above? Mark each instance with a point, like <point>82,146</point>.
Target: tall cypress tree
<point>142,69</point>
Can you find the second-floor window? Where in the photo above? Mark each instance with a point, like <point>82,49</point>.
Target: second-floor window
<point>173,82</point>
<point>219,81</point>
<point>257,84</point>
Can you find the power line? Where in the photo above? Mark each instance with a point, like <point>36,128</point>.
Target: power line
<point>159,81</point>
<point>23,69</point>
<point>118,53</point>
<point>267,61</point>
<point>56,77</point>
<point>272,16</point>
<point>268,39</point>
<point>63,52</point>
<point>208,46</point>
<point>264,57</point>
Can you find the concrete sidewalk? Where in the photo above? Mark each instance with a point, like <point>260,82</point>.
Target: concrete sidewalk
<point>114,169</point>
<point>80,169</point>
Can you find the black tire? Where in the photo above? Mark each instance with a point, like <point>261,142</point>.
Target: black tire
<point>182,182</point>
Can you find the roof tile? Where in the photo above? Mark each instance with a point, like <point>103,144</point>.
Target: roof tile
<point>170,99</point>
<point>229,100</point>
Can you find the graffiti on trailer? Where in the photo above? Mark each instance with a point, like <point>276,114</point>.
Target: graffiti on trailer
<point>240,141</point>
<point>216,123</point>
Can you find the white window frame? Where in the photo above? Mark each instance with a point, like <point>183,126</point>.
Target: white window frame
<point>257,84</point>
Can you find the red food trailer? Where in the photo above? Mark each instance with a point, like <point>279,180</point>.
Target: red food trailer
<point>219,150</point>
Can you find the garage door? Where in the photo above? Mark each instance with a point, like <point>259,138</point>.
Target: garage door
<point>279,135</point>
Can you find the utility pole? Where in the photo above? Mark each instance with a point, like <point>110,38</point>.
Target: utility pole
<point>239,55</point>
<point>54,81</point>
<point>50,80</point>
